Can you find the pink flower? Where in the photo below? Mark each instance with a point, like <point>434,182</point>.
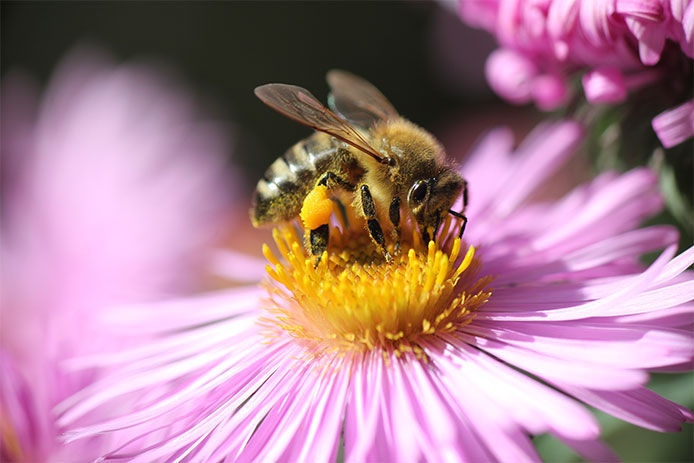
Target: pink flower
<point>616,44</point>
<point>437,358</point>
<point>112,189</point>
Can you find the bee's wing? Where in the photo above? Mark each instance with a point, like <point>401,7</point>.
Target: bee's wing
<point>299,104</point>
<point>357,100</point>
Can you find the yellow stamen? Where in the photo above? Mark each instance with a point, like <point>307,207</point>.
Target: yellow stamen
<point>355,299</point>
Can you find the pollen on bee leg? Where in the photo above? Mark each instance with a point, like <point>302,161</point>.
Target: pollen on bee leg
<point>355,300</point>
<point>317,208</point>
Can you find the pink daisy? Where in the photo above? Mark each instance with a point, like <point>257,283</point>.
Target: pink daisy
<point>113,186</point>
<point>452,352</point>
<point>615,46</point>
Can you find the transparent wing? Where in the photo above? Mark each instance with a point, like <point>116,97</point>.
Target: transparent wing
<point>357,100</point>
<point>299,104</point>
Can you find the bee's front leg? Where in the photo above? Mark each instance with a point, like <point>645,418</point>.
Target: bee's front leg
<point>394,214</point>
<point>461,217</point>
<point>461,214</point>
<point>369,209</point>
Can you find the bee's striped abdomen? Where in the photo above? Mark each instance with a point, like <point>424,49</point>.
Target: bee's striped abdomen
<point>281,192</point>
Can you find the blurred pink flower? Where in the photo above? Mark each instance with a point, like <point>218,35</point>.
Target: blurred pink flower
<point>617,44</point>
<point>113,187</point>
<point>233,379</point>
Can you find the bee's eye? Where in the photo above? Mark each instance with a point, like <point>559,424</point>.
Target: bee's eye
<point>418,193</point>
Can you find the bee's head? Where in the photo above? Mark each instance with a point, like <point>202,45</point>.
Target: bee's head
<point>430,199</point>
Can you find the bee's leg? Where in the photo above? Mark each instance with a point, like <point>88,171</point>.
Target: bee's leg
<point>369,209</point>
<point>464,197</point>
<point>319,236</point>
<point>319,241</point>
<point>394,213</point>
<point>331,179</point>
<point>462,217</point>
<point>461,214</point>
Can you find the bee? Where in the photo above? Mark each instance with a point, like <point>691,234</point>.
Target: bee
<point>362,151</point>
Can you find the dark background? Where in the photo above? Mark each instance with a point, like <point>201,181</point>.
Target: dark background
<point>418,53</point>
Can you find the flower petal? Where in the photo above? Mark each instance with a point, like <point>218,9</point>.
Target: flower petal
<point>675,125</point>
<point>604,85</point>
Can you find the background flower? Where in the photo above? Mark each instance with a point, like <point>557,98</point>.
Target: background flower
<point>634,62</point>
<point>546,42</point>
<point>571,305</point>
<point>114,184</point>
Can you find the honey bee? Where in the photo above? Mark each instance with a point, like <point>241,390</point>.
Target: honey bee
<point>364,151</point>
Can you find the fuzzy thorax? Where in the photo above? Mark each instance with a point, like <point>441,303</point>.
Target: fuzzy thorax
<point>353,299</point>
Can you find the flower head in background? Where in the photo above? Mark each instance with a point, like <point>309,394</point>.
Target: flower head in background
<point>615,46</point>
<point>113,187</point>
<point>453,351</point>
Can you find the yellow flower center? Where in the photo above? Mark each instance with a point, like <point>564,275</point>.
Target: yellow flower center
<point>355,299</point>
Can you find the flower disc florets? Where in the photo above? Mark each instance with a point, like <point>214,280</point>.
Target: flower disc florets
<point>356,299</point>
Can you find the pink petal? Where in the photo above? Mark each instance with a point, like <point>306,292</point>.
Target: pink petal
<point>640,406</point>
<point>149,318</point>
<point>633,243</point>
<point>490,155</point>
<point>592,450</point>
<point>327,420</point>
<point>561,20</point>
<point>409,439</point>
<point>680,316</point>
<point>650,10</point>
<point>604,85</point>
<point>688,27</point>
<point>676,266</point>
<point>257,403</point>
<point>594,18</point>
<point>621,347</point>
<point>540,154</point>
<point>677,8</point>
<point>549,91</point>
<point>362,412</point>
<point>272,437</point>
<point>529,403</point>
<point>253,371</point>
<point>614,302</point>
<point>616,205</point>
<point>505,439</point>
<point>651,39</point>
<point>552,368</point>
<point>675,125</point>
<point>238,266</point>
<point>510,75</point>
